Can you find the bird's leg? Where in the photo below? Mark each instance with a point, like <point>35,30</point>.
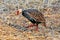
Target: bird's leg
<point>33,25</point>
<point>36,27</point>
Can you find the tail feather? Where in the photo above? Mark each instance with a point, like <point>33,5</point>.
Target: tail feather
<point>44,24</point>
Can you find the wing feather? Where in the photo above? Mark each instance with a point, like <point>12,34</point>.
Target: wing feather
<point>38,16</point>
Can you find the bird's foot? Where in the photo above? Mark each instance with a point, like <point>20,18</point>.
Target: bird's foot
<point>31,25</point>
<point>36,28</point>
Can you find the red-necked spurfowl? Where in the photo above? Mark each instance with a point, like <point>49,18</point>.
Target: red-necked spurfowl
<point>35,17</point>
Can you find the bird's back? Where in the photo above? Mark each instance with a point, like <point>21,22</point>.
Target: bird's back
<point>38,16</point>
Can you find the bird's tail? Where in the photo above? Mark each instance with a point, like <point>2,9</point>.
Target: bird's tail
<point>44,24</point>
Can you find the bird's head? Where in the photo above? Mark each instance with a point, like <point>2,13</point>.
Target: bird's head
<point>19,11</point>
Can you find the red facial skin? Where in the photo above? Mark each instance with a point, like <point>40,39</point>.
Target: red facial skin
<point>17,12</point>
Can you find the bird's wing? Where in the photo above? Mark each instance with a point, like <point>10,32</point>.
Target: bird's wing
<point>39,17</point>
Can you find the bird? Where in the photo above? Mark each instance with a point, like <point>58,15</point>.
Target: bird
<point>35,17</point>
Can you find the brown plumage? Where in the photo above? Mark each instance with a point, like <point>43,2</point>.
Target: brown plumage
<point>35,15</point>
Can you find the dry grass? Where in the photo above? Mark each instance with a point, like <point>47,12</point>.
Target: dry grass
<point>10,33</point>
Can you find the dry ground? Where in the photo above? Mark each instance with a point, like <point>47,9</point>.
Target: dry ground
<point>11,33</point>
